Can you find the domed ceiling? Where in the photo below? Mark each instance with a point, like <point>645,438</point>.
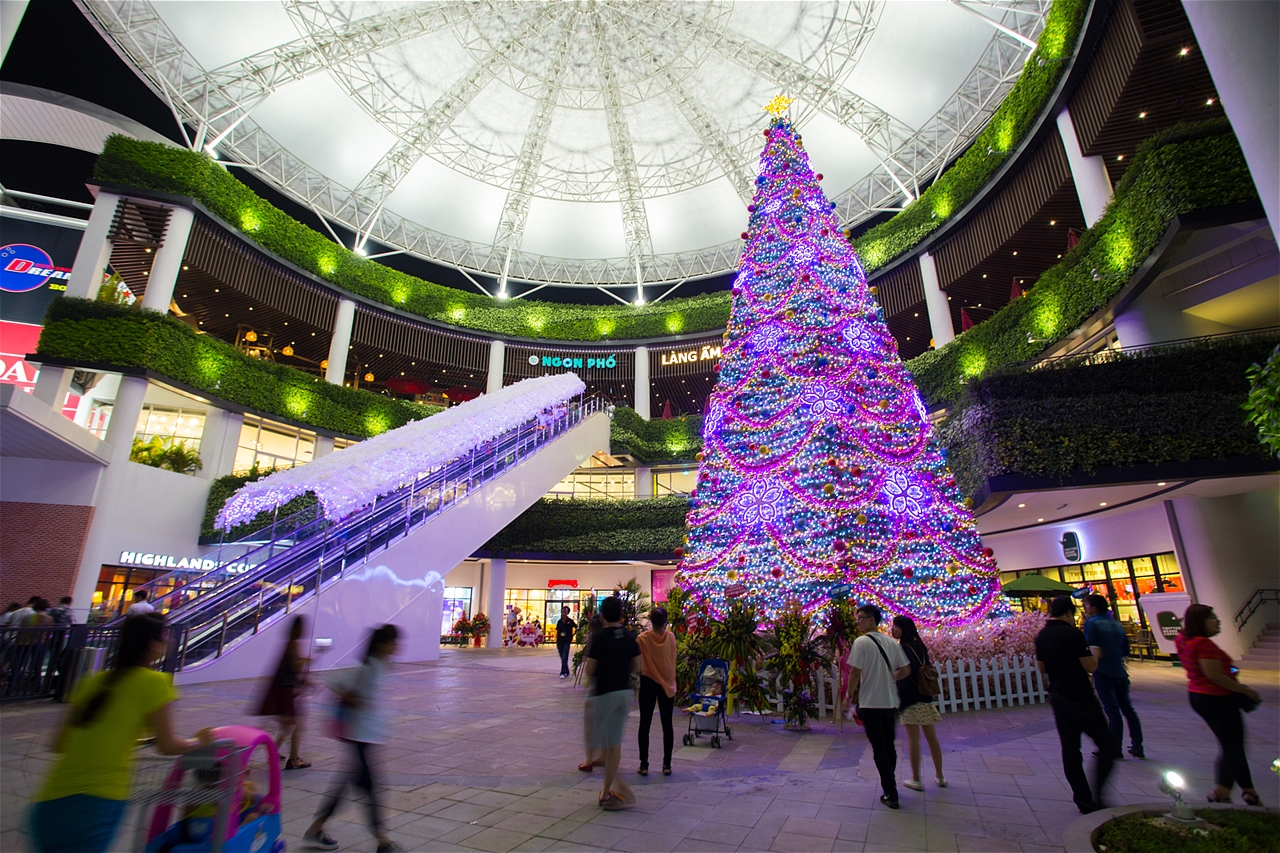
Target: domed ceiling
<point>588,143</point>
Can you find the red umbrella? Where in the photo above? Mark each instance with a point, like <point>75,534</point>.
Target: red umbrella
<point>408,385</point>
<point>1016,292</point>
<point>966,323</point>
<point>666,411</point>
<point>459,394</point>
<point>1073,239</point>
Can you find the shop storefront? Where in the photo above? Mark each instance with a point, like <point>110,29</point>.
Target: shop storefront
<point>536,611</point>
<point>1122,581</point>
<point>457,603</point>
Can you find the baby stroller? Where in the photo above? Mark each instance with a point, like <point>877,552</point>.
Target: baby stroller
<point>205,801</point>
<point>707,705</point>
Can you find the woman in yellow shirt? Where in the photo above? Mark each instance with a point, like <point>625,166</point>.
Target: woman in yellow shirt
<point>657,684</point>
<point>82,802</point>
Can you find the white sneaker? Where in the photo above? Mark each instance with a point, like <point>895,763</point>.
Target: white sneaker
<point>914,784</point>
<point>942,783</point>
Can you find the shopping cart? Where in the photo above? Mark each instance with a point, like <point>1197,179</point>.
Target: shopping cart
<point>205,801</point>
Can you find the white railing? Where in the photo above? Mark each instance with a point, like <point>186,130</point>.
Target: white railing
<point>964,685</point>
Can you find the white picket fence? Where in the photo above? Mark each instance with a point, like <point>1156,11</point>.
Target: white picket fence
<point>964,685</point>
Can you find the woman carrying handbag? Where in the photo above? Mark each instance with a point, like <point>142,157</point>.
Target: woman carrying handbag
<point>918,692</point>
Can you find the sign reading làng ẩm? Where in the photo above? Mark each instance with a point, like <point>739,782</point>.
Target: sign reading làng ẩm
<point>708,352</point>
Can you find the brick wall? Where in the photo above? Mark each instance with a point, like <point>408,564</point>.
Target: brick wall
<point>40,549</point>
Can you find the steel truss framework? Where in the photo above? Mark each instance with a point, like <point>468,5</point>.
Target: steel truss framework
<point>622,37</point>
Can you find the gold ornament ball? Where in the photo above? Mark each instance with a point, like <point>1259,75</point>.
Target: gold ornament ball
<point>829,488</point>
<point>791,315</point>
<point>862,519</point>
<point>731,575</point>
<point>968,503</point>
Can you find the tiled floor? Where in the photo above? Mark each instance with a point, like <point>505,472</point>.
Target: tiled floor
<point>484,746</point>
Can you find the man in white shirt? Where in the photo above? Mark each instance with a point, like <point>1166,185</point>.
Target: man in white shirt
<point>878,664</point>
<point>140,604</point>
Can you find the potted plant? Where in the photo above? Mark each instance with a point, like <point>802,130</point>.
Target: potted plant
<point>479,629</point>
<point>462,629</point>
<point>736,639</point>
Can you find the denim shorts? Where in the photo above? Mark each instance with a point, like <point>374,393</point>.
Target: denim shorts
<point>611,711</point>
<point>76,824</point>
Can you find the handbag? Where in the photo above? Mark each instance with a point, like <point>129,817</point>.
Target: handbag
<point>926,676</point>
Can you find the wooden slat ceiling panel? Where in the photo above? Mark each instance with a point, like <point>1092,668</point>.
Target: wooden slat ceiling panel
<point>1109,71</point>
<point>1010,210</point>
<point>900,289</point>
<point>137,231</point>
<point>386,331</point>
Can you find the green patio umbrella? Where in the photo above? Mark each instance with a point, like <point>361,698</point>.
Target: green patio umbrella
<point>1030,586</point>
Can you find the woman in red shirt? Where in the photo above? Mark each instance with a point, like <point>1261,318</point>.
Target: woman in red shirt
<point>1216,696</point>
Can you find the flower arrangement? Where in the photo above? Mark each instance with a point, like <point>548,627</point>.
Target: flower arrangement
<point>480,627</point>
<point>737,640</point>
<point>796,658</point>
<point>989,638</point>
<point>462,629</point>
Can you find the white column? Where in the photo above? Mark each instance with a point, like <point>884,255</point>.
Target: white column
<point>642,382</point>
<point>124,417</point>
<point>644,482</point>
<point>935,301</point>
<point>1238,40</point>
<point>340,342</point>
<point>86,278</point>
<point>1093,186</point>
<point>168,262</point>
<point>497,600</point>
<point>219,443</point>
<point>324,446</point>
<point>497,361</point>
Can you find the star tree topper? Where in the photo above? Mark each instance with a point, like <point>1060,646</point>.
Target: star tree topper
<point>778,106</point>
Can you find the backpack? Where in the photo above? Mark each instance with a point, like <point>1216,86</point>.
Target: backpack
<point>926,676</point>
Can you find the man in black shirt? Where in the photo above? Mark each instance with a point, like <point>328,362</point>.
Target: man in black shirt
<point>614,656</point>
<point>565,629</point>
<point>1063,655</point>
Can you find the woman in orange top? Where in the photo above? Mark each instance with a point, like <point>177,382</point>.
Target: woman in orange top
<point>1217,696</point>
<point>657,684</point>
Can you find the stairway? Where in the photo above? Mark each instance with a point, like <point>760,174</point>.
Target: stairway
<point>1265,653</point>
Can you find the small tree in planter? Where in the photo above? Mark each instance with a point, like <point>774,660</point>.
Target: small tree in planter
<point>736,639</point>
<point>842,630</point>
<point>480,629</point>
<point>462,629</point>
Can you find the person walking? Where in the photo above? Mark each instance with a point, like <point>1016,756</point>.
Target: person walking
<point>140,604</point>
<point>565,629</point>
<point>1063,655</point>
<point>594,756</point>
<point>657,684</point>
<point>283,693</point>
<point>918,710</point>
<point>361,722</point>
<point>1110,647</point>
<point>613,658</point>
<point>877,665</point>
<point>1218,697</point>
<point>82,802</point>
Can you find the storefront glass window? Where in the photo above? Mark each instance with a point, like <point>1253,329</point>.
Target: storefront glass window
<point>617,483</point>
<point>1169,573</point>
<point>1142,567</point>
<point>674,482</point>
<point>457,603</point>
<point>1095,571</point>
<point>1072,574</point>
<point>99,418</point>
<point>273,445</point>
<point>166,422</point>
<point>539,610</point>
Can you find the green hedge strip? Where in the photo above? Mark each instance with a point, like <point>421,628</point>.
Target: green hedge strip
<point>123,336</point>
<point>1011,121</point>
<point>1186,168</point>
<point>595,527</point>
<point>1152,406</point>
<point>657,441</point>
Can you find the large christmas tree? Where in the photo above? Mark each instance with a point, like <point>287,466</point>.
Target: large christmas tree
<point>819,467</point>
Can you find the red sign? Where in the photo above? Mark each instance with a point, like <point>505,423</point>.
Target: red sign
<point>735,590</point>
<point>16,340</point>
<point>568,583</point>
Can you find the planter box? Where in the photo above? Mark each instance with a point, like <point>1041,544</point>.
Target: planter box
<point>1080,835</point>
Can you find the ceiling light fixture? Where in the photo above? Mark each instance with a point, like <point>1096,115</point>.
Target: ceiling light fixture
<point>1209,102</point>
<point>1022,506</point>
<point>1039,519</point>
<point>1184,51</point>
<point>1104,503</point>
<point>1160,484</point>
<point>1142,115</point>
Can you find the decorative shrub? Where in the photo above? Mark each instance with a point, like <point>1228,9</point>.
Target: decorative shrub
<point>1015,116</point>
<point>1263,402</point>
<point>1236,831</point>
<point>1186,168</point>
<point>221,490</point>
<point>120,336</point>
<point>988,638</point>
<point>1170,404</point>
<point>655,441</point>
<point>595,528</point>
<point>166,453</point>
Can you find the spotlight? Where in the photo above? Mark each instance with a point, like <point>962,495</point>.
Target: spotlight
<point>1172,783</point>
<point>502,294</point>
<point>360,250</point>
<point>1096,275</point>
